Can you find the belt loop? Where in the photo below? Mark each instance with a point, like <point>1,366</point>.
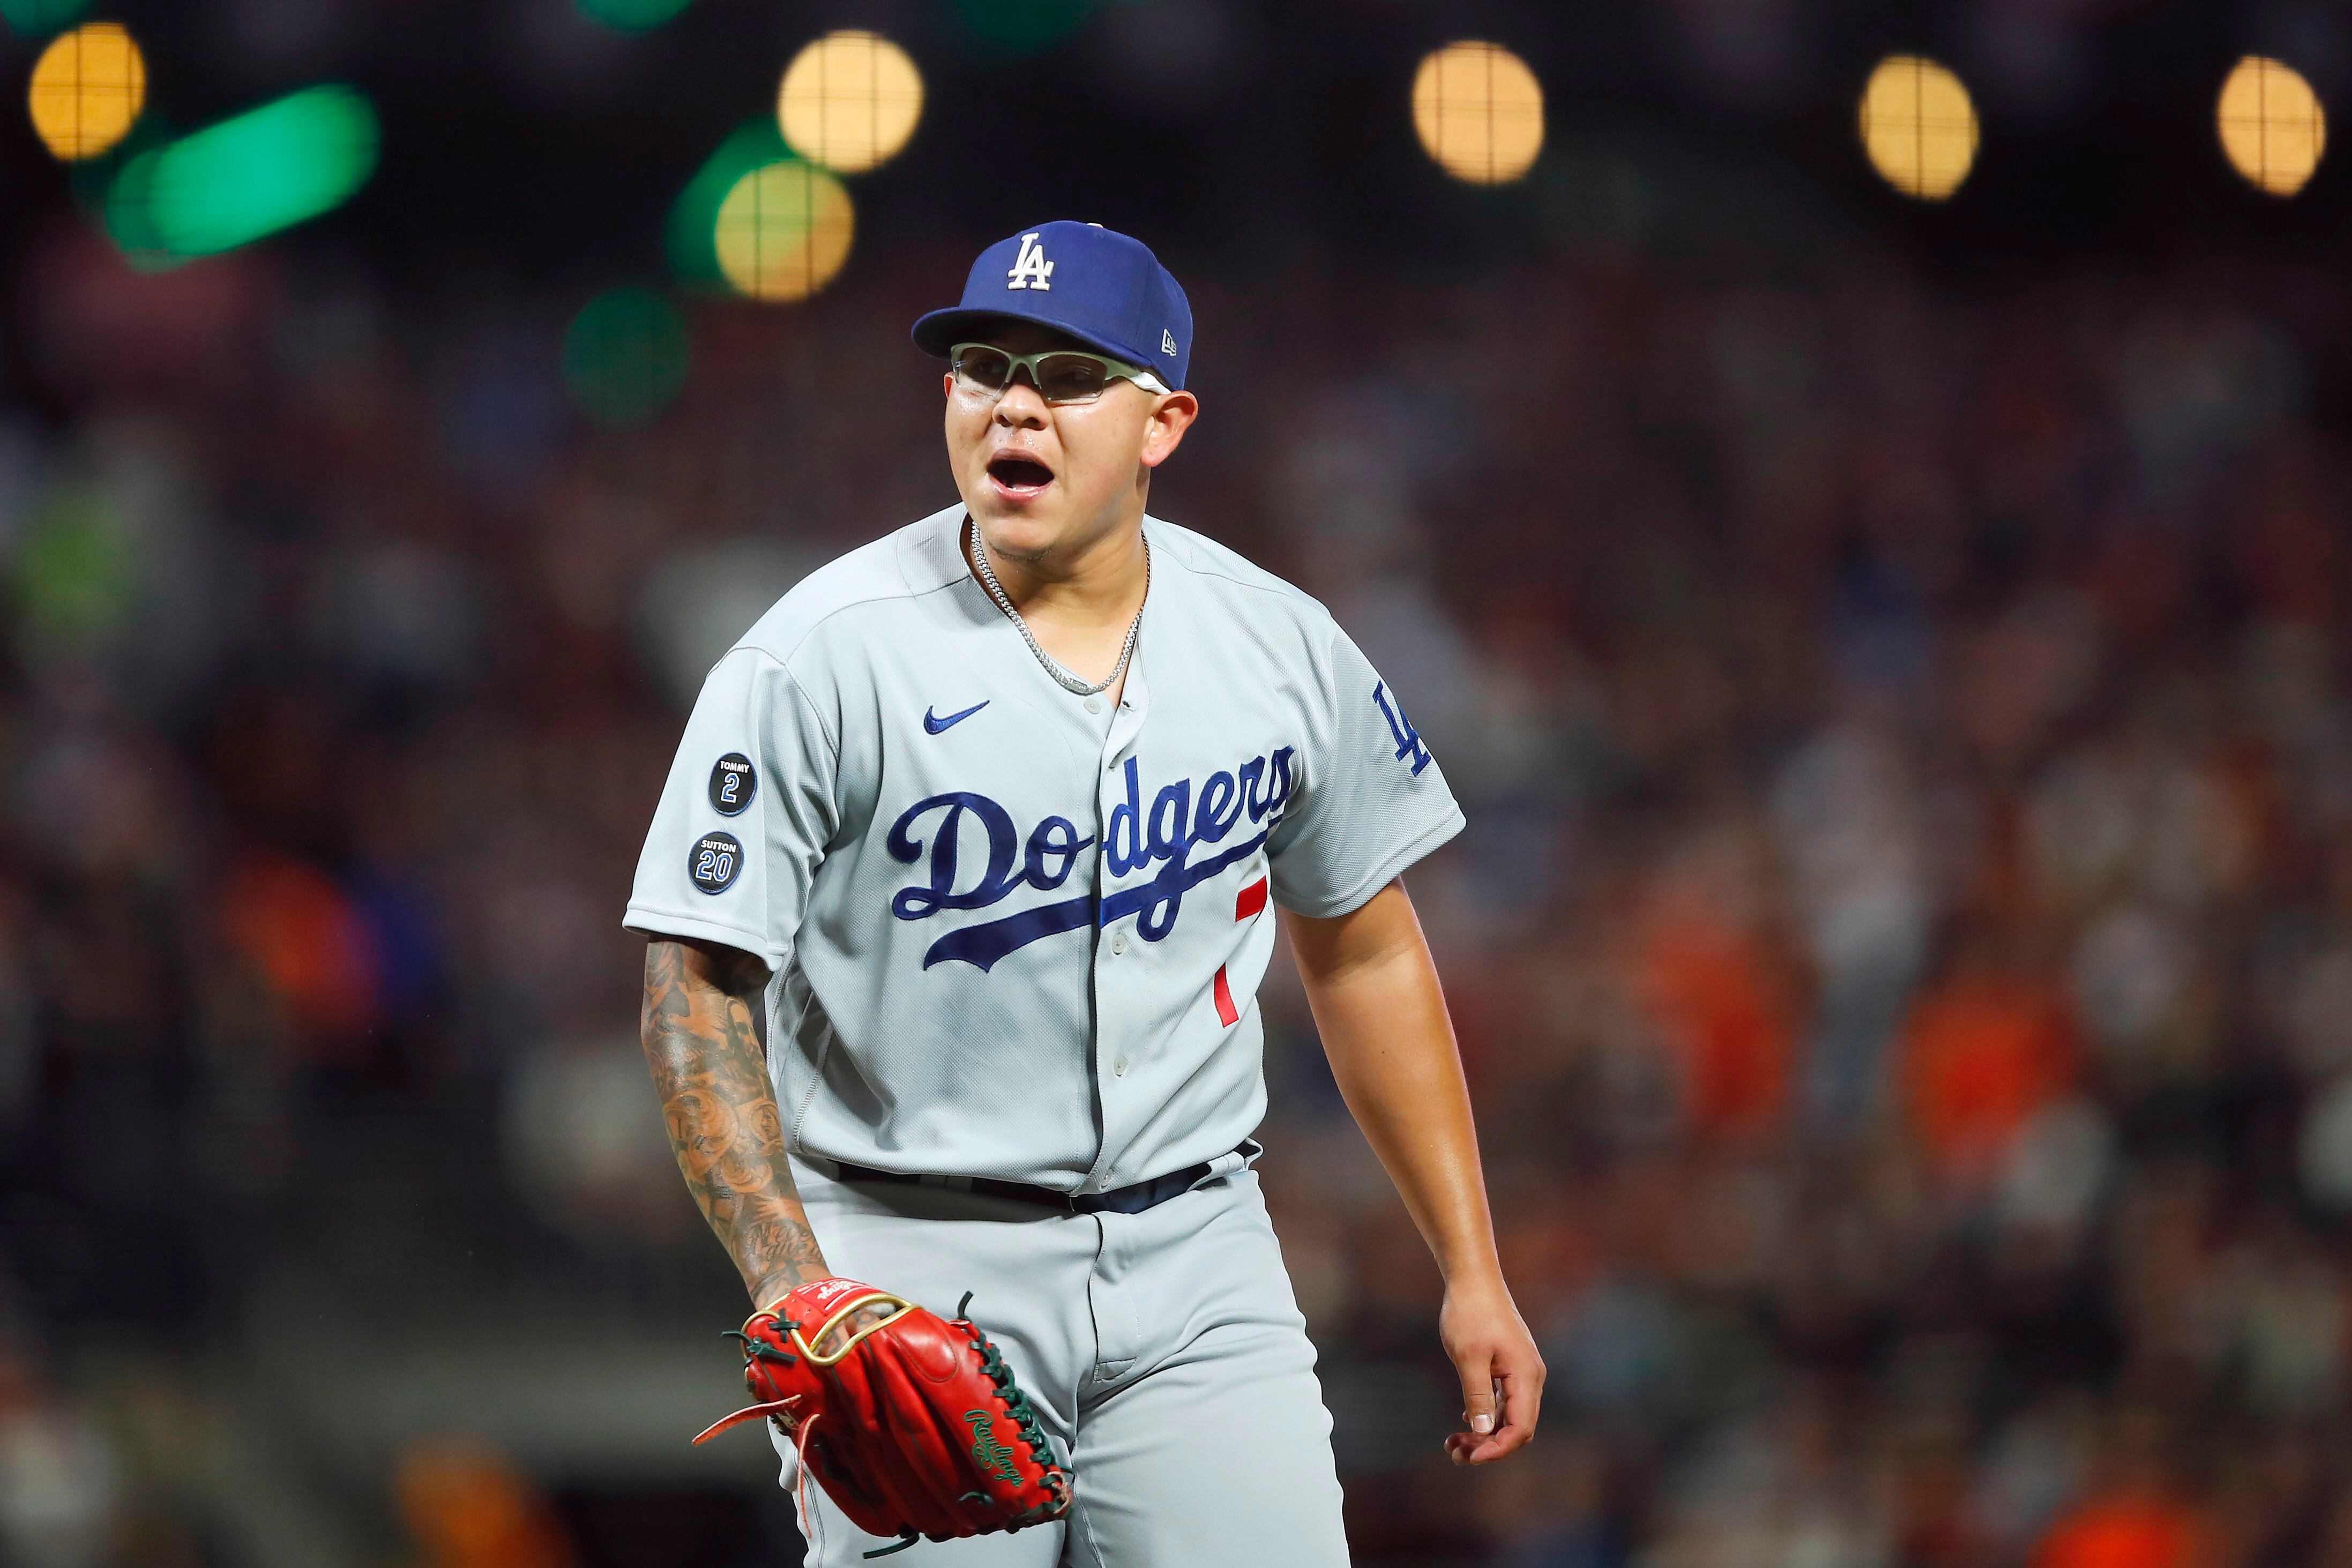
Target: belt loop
<point>1242,1154</point>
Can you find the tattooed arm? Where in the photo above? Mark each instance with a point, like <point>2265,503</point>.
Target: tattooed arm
<point>702,1042</point>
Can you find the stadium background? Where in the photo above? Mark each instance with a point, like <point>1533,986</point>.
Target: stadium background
<point>1892,653</point>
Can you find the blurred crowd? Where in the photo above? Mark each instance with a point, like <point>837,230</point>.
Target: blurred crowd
<point>1902,950</point>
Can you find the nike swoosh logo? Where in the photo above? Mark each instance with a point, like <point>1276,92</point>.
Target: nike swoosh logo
<point>937,725</point>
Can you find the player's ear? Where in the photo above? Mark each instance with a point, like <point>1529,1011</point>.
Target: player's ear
<point>1165,429</point>
<point>947,382</point>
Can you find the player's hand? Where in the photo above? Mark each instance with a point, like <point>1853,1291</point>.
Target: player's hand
<point>866,1316</point>
<point>1502,1372</point>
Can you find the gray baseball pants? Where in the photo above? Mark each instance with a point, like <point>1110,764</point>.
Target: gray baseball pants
<point>1163,1350</point>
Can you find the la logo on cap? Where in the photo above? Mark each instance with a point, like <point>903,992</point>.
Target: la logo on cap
<point>1031,269</point>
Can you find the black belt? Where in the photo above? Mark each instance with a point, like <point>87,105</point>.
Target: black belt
<point>1119,1199</point>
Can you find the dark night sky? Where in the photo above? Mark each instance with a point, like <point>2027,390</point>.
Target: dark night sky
<point>522,141</point>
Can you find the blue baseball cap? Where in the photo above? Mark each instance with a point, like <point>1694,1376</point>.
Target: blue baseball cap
<point>1100,286</point>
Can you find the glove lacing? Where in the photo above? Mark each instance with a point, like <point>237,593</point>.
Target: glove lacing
<point>1025,1419</point>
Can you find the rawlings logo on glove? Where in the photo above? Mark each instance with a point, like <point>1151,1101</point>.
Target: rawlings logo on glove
<point>994,1455</point>
<point>911,1423</point>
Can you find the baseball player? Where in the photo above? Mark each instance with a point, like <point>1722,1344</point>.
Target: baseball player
<point>959,895</point>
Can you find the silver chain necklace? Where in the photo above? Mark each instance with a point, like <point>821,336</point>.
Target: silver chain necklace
<point>1067,682</point>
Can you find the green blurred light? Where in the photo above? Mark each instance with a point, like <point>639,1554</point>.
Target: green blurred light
<point>130,213</point>
<point>625,355</point>
<point>232,183</point>
<point>1022,27</point>
<point>633,16</point>
<point>92,180</point>
<point>694,221</point>
<point>39,18</point>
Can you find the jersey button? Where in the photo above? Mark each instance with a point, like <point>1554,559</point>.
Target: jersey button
<point>1117,943</point>
<point>1118,1067</point>
<point>1094,704</point>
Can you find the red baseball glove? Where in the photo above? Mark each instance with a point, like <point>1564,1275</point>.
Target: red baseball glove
<point>912,1422</point>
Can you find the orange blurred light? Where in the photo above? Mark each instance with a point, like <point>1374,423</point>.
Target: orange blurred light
<point>784,231</point>
<point>849,102</point>
<point>2274,129</point>
<point>1919,127</point>
<point>1479,111</point>
<point>89,86</point>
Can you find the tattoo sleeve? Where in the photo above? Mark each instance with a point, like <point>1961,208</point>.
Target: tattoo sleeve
<point>710,1068</point>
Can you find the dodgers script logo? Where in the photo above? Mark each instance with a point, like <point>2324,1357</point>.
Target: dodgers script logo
<point>1176,824</point>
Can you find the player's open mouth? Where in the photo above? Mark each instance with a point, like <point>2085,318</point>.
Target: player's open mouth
<point>1019,478</point>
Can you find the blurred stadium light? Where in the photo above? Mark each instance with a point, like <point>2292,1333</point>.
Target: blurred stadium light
<point>849,102</point>
<point>1479,111</point>
<point>244,178</point>
<point>633,16</point>
<point>89,86</point>
<point>784,231</point>
<point>39,18</point>
<point>2273,129</point>
<point>692,239</point>
<point>625,355</point>
<point>1918,126</point>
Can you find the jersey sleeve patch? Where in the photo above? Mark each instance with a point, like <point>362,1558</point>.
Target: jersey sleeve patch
<point>733,782</point>
<point>1409,746</point>
<point>715,862</point>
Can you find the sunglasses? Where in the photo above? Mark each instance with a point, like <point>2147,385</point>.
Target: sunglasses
<point>1060,375</point>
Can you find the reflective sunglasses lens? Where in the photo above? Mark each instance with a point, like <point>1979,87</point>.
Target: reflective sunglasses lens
<point>984,367</point>
<point>1071,378</point>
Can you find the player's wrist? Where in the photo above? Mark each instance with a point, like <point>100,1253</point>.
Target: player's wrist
<point>771,1288</point>
<point>1476,1276</point>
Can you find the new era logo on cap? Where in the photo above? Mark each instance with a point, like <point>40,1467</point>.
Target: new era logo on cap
<point>1100,286</point>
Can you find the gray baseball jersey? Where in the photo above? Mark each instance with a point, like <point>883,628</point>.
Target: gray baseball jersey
<point>1016,931</point>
